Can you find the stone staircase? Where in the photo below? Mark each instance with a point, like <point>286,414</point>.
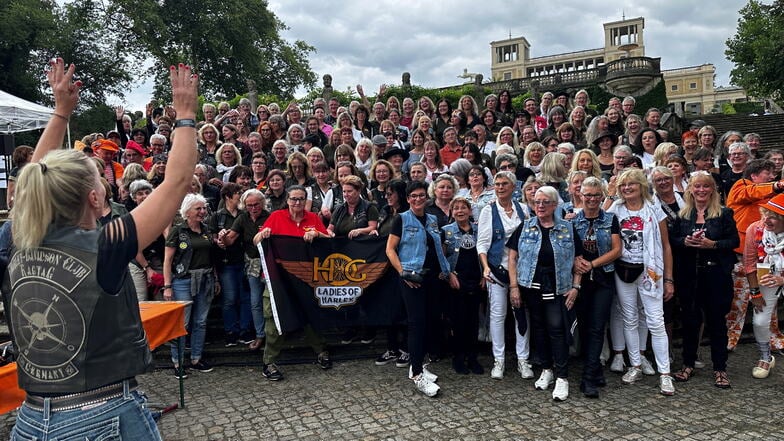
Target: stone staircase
<point>769,127</point>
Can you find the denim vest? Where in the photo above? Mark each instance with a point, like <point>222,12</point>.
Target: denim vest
<point>561,238</point>
<point>496,251</point>
<point>602,226</point>
<point>413,243</point>
<point>452,235</point>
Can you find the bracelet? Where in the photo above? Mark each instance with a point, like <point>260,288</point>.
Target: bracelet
<point>167,286</point>
<point>754,291</point>
<point>757,296</point>
<point>514,286</point>
<point>577,286</point>
<point>668,280</point>
<point>61,116</point>
<point>146,267</point>
<point>185,123</point>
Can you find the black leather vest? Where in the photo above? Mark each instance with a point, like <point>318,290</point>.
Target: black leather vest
<point>71,336</point>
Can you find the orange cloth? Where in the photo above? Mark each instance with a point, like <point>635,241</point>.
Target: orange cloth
<point>448,156</point>
<point>744,199</point>
<point>10,394</point>
<point>162,321</point>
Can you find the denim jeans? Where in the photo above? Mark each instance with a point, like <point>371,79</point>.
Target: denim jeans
<point>236,302</point>
<point>119,418</point>
<point>593,311</point>
<point>256,305</point>
<point>195,314</point>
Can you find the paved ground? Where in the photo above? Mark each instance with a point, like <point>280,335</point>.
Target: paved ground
<point>358,400</point>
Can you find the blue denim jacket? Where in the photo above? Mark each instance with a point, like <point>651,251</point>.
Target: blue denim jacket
<point>413,243</point>
<point>452,234</point>
<point>561,238</point>
<point>496,251</point>
<point>602,226</point>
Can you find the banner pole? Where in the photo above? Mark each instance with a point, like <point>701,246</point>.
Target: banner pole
<point>269,288</point>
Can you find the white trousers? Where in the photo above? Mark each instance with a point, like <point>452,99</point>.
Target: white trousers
<point>630,301</point>
<point>499,299</point>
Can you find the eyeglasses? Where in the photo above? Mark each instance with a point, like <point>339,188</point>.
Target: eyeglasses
<point>474,174</point>
<point>738,154</point>
<point>542,203</point>
<point>505,167</point>
<point>259,163</point>
<point>252,205</point>
<point>417,196</point>
<point>592,195</point>
<point>296,200</point>
<point>662,180</point>
<point>157,145</point>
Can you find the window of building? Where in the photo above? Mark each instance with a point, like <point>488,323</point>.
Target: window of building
<point>692,85</point>
<point>507,76</point>
<point>674,88</point>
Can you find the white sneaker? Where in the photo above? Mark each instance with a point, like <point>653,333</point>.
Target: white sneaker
<point>525,369</point>
<point>666,386</point>
<point>561,391</point>
<point>546,379</point>
<point>498,369</point>
<point>617,365</point>
<point>426,387</point>
<point>431,377</point>
<point>646,366</point>
<point>632,375</point>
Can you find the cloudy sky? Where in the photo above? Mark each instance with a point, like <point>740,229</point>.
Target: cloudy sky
<point>371,43</point>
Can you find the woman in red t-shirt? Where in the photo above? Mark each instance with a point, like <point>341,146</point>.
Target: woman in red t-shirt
<point>293,221</point>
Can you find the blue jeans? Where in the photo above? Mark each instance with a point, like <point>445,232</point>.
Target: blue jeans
<point>195,314</point>
<point>236,300</point>
<point>257,287</point>
<point>119,418</point>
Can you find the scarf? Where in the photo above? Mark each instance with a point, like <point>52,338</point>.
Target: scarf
<point>773,245</point>
<point>652,253</point>
<point>225,171</point>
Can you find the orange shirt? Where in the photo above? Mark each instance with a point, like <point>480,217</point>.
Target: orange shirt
<point>744,199</point>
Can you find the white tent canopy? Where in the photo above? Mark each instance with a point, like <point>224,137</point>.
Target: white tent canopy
<point>18,115</point>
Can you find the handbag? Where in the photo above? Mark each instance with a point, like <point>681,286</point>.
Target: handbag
<point>500,273</point>
<point>628,272</point>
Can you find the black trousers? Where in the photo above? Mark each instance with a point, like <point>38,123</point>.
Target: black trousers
<point>548,336</point>
<point>417,301</point>
<point>707,295</point>
<point>593,312</point>
<point>464,321</point>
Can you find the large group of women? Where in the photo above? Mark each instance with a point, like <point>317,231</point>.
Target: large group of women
<point>595,230</point>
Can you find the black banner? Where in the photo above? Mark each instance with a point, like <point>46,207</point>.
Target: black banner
<point>331,283</point>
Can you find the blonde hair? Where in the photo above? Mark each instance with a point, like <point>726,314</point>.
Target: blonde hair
<point>47,193</point>
<point>714,204</point>
<point>662,152</point>
<point>596,170</point>
<point>635,176</point>
<point>553,169</point>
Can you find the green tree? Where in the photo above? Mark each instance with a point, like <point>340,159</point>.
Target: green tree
<point>757,49</point>
<point>25,37</point>
<point>34,31</point>
<point>228,42</point>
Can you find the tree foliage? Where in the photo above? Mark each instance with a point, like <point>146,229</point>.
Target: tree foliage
<point>228,42</point>
<point>34,31</point>
<point>757,50</point>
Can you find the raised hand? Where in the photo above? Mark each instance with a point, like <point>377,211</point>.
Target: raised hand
<point>119,111</point>
<point>185,91</point>
<point>65,90</point>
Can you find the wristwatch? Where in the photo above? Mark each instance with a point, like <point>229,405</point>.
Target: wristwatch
<point>185,123</point>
